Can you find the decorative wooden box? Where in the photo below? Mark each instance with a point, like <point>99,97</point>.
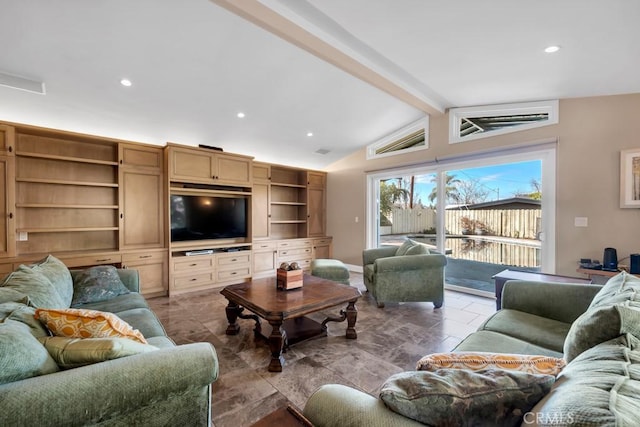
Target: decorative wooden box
<point>288,279</point>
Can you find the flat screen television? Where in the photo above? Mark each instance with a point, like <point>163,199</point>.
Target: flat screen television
<point>196,217</point>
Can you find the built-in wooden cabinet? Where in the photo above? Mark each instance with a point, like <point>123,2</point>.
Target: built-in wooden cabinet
<point>322,248</point>
<point>191,272</point>
<point>265,258</point>
<point>260,201</point>
<point>7,191</point>
<point>152,266</point>
<point>195,165</point>
<point>141,197</point>
<point>316,204</point>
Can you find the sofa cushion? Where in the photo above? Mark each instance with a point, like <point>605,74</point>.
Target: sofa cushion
<point>59,276</point>
<point>21,355</point>
<point>417,249</point>
<point>117,304</point>
<point>477,361</point>
<point>36,285</point>
<point>600,324</point>
<point>542,331</point>
<point>96,284</point>
<point>619,288</point>
<point>455,396</point>
<point>79,323</point>
<point>599,387</point>
<point>143,320</point>
<point>19,312</point>
<point>11,295</point>
<point>74,352</point>
<point>500,343</point>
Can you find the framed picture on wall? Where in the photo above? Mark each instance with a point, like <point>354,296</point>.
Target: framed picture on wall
<point>630,178</point>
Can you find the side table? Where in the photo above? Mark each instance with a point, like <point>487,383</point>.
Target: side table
<point>502,277</point>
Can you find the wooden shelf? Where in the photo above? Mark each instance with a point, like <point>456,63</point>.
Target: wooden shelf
<point>65,230</point>
<point>289,221</point>
<point>58,206</point>
<point>282,184</point>
<point>66,158</point>
<point>289,203</point>
<point>67,182</point>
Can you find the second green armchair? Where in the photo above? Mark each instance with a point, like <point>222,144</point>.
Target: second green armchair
<point>409,273</point>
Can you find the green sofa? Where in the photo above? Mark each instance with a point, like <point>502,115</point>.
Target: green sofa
<point>165,385</point>
<point>596,329</point>
<point>409,273</point>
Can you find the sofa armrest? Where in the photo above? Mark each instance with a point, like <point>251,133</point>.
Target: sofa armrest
<point>95,393</point>
<point>409,263</point>
<point>564,302</point>
<point>370,255</point>
<point>336,405</point>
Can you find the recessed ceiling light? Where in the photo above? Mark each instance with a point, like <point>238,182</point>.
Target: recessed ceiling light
<point>552,49</point>
<point>125,82</point>
<point>309,133</point>
<point>240,115</point>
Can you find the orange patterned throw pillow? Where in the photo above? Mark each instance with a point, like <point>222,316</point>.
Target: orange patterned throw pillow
<point>81,323</point>
<point>476,361</point>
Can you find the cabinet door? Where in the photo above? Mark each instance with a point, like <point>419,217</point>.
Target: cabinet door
<point>7,207</point>
<point>261,172</point>
<point>191,165</point>
<point>232,170</point>
<point>153,270</point>
<point>316,179</point>
<point>264,263</point>
<point>260,208</point>
<point>141,204</point>
<point>7,140</point>
<point>316,218</point>
<point>140,156</point>
<point>322,248</point>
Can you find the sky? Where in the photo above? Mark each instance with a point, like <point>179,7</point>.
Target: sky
<point>502,181</point>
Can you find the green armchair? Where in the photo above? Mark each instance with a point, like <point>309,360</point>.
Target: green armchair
<point>409,273</point>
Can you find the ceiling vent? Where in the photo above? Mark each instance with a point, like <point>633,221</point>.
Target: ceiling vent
<point>21,83</point>
<point>323,151</point>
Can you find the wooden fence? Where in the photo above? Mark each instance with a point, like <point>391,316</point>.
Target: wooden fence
<point>515,223</point>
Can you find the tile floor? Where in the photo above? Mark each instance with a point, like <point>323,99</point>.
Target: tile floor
<point>390,340</point>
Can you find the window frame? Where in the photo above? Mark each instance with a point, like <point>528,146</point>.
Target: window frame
<point>457,114</point>
<point>422,123</point>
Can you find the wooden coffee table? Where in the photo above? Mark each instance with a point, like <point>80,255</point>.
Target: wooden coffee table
<point>285,311</point>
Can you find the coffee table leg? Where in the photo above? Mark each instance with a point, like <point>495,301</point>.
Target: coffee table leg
<point>232,310</point>
<point>352,315</point>
<point>276,343</point>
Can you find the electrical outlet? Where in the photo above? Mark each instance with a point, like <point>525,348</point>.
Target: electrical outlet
<point>580,221</point>
<point>23,236</point>
<point>357,219</point>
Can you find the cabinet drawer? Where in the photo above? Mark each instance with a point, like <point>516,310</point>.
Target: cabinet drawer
<point>286,244</point>
<point>193,280</point>
<point>265,246</point>
<point>321,242</point>
<point>239,273</point>
<point>234,259</point>
<point>195,263</point>
<point>87,261</point>
<point>143,257</point>
<point>295,252</point>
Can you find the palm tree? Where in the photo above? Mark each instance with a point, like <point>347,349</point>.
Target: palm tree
<point>450,188</point>
<point>389,195</point>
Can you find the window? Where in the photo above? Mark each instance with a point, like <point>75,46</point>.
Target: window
<point>466,124</point>
<point>410,138</point>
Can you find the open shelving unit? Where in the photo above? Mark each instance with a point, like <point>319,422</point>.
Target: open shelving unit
<point>67,194</point>
<point>288,203</point>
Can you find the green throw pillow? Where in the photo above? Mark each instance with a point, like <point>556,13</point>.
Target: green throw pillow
<point>417,249</point>
<point>59,276</point>
<point>21,355</point>
<point>36,286</point>
<point>19,312</point>
<point>11,295</point>
<point>600,387</point>
<point>73,352</point>
<point>404,247</point>
<point>600,324</point>
<point>621,287</point>
<point>96,284</point>
<point>453,397</point>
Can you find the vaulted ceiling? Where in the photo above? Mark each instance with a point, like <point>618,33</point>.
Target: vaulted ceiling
<point>349,72</point>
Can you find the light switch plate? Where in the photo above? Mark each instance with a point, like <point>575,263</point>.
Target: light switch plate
<point>581,221</point>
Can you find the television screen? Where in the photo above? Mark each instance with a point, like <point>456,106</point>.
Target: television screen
<point>207,217</point>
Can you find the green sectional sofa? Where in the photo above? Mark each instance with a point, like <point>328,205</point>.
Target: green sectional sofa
<point>595,329</point>
<point>60,381</point>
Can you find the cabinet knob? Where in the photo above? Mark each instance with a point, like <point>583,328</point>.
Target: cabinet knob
<point>121,162</point>
<point>10,215</point>
<point>10,148</point>
<point>121,215</point>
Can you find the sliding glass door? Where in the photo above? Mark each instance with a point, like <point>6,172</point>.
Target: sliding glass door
<point>486,214</point>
